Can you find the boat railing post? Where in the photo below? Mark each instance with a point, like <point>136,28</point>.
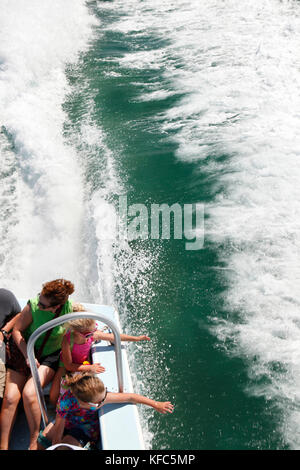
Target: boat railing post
<point>56,322</point>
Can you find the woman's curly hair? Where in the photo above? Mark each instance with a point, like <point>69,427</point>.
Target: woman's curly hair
<point>58,290</point>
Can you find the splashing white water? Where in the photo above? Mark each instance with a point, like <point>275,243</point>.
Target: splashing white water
<point>37,40</point>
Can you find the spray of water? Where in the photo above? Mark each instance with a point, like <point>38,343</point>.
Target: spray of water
<point>43,231</point>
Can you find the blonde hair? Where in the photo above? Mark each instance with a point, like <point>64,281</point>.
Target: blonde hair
<point>84,385</point>
<point>77,307</point>
<point>81,324</point>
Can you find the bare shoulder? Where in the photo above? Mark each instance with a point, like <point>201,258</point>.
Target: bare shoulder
<point>25,318</point>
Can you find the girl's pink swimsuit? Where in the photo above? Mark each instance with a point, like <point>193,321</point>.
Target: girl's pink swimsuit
<point>80,352</point>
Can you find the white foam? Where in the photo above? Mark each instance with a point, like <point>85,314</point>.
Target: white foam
<point>101,211</point>
<point>37,40</point>
<point>155,95</point>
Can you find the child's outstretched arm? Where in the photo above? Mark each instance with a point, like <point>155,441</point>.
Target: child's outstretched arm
<point>160,406</point>
<point>72,366</point>
<point>98,335</point>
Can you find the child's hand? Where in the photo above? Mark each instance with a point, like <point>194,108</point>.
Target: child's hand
<point>164,407</point>
<point>142,338</point>
<point>97,368</point>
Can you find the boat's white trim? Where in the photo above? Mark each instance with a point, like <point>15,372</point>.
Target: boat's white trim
<point>63,444</point>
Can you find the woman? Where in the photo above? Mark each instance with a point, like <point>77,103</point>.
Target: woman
<point>50,303</point>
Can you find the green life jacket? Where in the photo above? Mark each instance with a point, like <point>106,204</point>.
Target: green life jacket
<point>40,317</point>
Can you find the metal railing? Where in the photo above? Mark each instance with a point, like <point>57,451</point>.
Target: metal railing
<point>58,321</point>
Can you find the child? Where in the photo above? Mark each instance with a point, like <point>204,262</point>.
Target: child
<point>75,350</point>
<point>77,420</point>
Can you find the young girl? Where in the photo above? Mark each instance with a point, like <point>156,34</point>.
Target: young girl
<point>77,420</point>
<point>75,350</point>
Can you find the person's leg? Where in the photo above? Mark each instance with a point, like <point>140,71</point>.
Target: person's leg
<point>55,387</point>
<point>2,368</point>
<point>71,440</point>
<point>13,391</point>
<point>2,379</point>
<point>31,404</point>
<point>47,435</point>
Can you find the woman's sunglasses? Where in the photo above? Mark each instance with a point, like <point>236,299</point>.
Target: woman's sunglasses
<point>40,304</point>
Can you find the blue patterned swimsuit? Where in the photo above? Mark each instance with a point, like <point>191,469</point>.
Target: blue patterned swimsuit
<point>77,417</point>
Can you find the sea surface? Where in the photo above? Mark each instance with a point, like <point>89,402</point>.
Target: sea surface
<point>165,102</point>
